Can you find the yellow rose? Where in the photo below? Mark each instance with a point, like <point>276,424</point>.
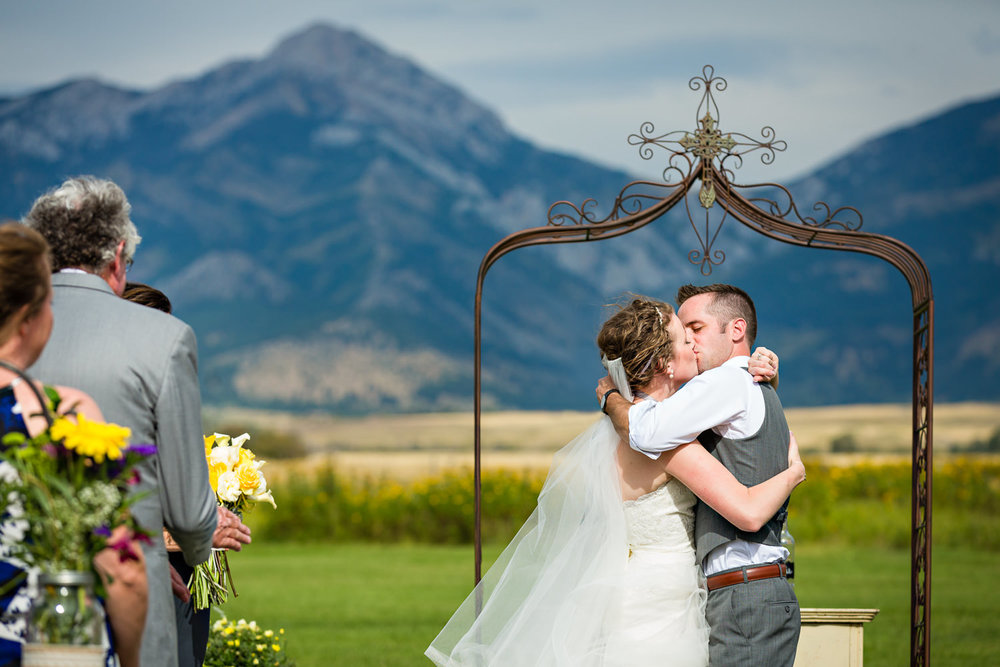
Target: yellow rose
<point>248,476</point>
<point>209,442</point>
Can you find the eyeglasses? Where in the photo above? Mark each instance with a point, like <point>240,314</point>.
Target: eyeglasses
<point>128,263</point>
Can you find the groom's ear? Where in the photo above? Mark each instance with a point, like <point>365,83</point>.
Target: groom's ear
<point>738,330</point>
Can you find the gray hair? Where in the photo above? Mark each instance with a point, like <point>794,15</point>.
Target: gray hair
<point>84,220</point>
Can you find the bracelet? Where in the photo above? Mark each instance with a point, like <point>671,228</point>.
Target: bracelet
<point>604,401</point>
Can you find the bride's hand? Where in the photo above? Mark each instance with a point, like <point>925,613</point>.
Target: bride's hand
<point>794,459</point>
<point>604,385</point>
<point>763,366</point>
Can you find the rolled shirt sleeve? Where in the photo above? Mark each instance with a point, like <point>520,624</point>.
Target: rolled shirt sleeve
<point>715,397</point>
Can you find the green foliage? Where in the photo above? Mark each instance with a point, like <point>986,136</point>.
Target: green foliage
<point>870,504</point>
<point>863,504</point>
<point>990,444</point>
<point>844,444</point>
<point>327,505</point>
<point>243,643</point>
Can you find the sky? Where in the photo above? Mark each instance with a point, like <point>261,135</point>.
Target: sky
<point>577,77</point>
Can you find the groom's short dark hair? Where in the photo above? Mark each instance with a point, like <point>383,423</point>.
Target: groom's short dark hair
<point>728,303</point>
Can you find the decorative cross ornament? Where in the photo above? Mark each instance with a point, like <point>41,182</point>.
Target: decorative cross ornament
<point>712,157</point>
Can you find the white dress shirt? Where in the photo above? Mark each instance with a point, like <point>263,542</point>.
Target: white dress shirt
<point>725,400</point>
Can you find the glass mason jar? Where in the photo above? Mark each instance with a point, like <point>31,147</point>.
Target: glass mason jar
<point>64,610</point>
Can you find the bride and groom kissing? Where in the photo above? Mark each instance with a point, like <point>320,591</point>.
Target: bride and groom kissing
<point>655,540</point>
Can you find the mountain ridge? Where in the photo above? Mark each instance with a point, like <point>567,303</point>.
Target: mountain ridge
<point>318,215</point>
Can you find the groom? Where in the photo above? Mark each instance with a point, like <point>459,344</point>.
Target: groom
<point>752,609</point>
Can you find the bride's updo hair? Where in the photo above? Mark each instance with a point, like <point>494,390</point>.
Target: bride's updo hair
<point>637,334</point>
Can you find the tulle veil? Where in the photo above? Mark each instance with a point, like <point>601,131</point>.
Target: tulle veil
<point>548,599</point>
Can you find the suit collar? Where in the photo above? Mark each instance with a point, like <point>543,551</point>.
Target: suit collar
<point>81,280</point>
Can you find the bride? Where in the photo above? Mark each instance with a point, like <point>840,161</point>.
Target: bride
<point>603,572</point>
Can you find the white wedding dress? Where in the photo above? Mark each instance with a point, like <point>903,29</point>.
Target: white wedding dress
<point>588,581</point>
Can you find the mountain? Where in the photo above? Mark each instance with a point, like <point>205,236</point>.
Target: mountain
<point>319,214</point>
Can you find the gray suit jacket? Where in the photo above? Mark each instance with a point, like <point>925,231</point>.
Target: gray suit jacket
<point>140,365</point>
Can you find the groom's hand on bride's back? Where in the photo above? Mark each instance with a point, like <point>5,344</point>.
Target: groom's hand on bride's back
<point>763,366</point>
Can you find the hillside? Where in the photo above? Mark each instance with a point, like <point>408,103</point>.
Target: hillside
<point>318,215</point>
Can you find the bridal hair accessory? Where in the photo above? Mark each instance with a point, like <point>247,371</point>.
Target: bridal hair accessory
<point>617,372</point>
<point>660,315</point>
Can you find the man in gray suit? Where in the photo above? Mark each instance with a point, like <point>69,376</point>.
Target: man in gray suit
<point>140,365</point>
<point>752,608</point>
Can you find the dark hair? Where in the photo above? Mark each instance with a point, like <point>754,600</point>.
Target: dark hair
<point>84,220</point>
<point>24,273</point>
<point>728,303</point>
<point>637,334</point>
<point>147,296</point>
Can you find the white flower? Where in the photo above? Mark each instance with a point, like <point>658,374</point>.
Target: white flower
<point>240,439</point>
<point>262,494</point>
<point>227,456</point>
<point>229,487</point>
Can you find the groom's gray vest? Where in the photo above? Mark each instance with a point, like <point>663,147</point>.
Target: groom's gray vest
<point>751,460</point>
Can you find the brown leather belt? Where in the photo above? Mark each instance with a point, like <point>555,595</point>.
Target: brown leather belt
<point>771,571</point>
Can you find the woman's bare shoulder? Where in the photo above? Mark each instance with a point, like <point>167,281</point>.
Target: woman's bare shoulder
<point>79,402</point>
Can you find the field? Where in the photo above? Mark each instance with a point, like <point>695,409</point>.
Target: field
<point>381,605</point>
<point>368,555</point>
<point>410,446</point>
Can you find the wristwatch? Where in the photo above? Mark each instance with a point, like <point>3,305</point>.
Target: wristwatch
<point>604,399</point>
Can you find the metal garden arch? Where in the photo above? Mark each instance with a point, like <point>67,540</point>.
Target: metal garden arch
<point>709,156</point>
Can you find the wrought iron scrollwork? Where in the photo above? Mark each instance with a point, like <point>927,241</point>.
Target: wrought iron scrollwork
<point>847,218</point>
<point>633,199</point>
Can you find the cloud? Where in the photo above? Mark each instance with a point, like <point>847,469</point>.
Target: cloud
<point>578,77</point>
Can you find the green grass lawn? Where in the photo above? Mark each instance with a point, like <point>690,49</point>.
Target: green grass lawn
<point>373,604</point>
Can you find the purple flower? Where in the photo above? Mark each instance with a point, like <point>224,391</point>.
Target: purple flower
<point>141,450</point>
<point>103,531</point>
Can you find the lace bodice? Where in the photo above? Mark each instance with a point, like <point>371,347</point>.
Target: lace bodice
<point>662,519</point>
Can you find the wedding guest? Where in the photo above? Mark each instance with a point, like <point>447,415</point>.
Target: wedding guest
<point>231,533</point>
<point>147,296</point>
<point>25,325</point>
<point>140,366</point>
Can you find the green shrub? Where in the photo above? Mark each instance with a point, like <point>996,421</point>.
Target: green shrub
<point>862,504</point>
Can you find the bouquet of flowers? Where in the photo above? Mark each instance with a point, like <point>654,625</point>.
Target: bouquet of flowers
<point>243,643</point>
<point>238,483</point>
<point>67,489</point>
